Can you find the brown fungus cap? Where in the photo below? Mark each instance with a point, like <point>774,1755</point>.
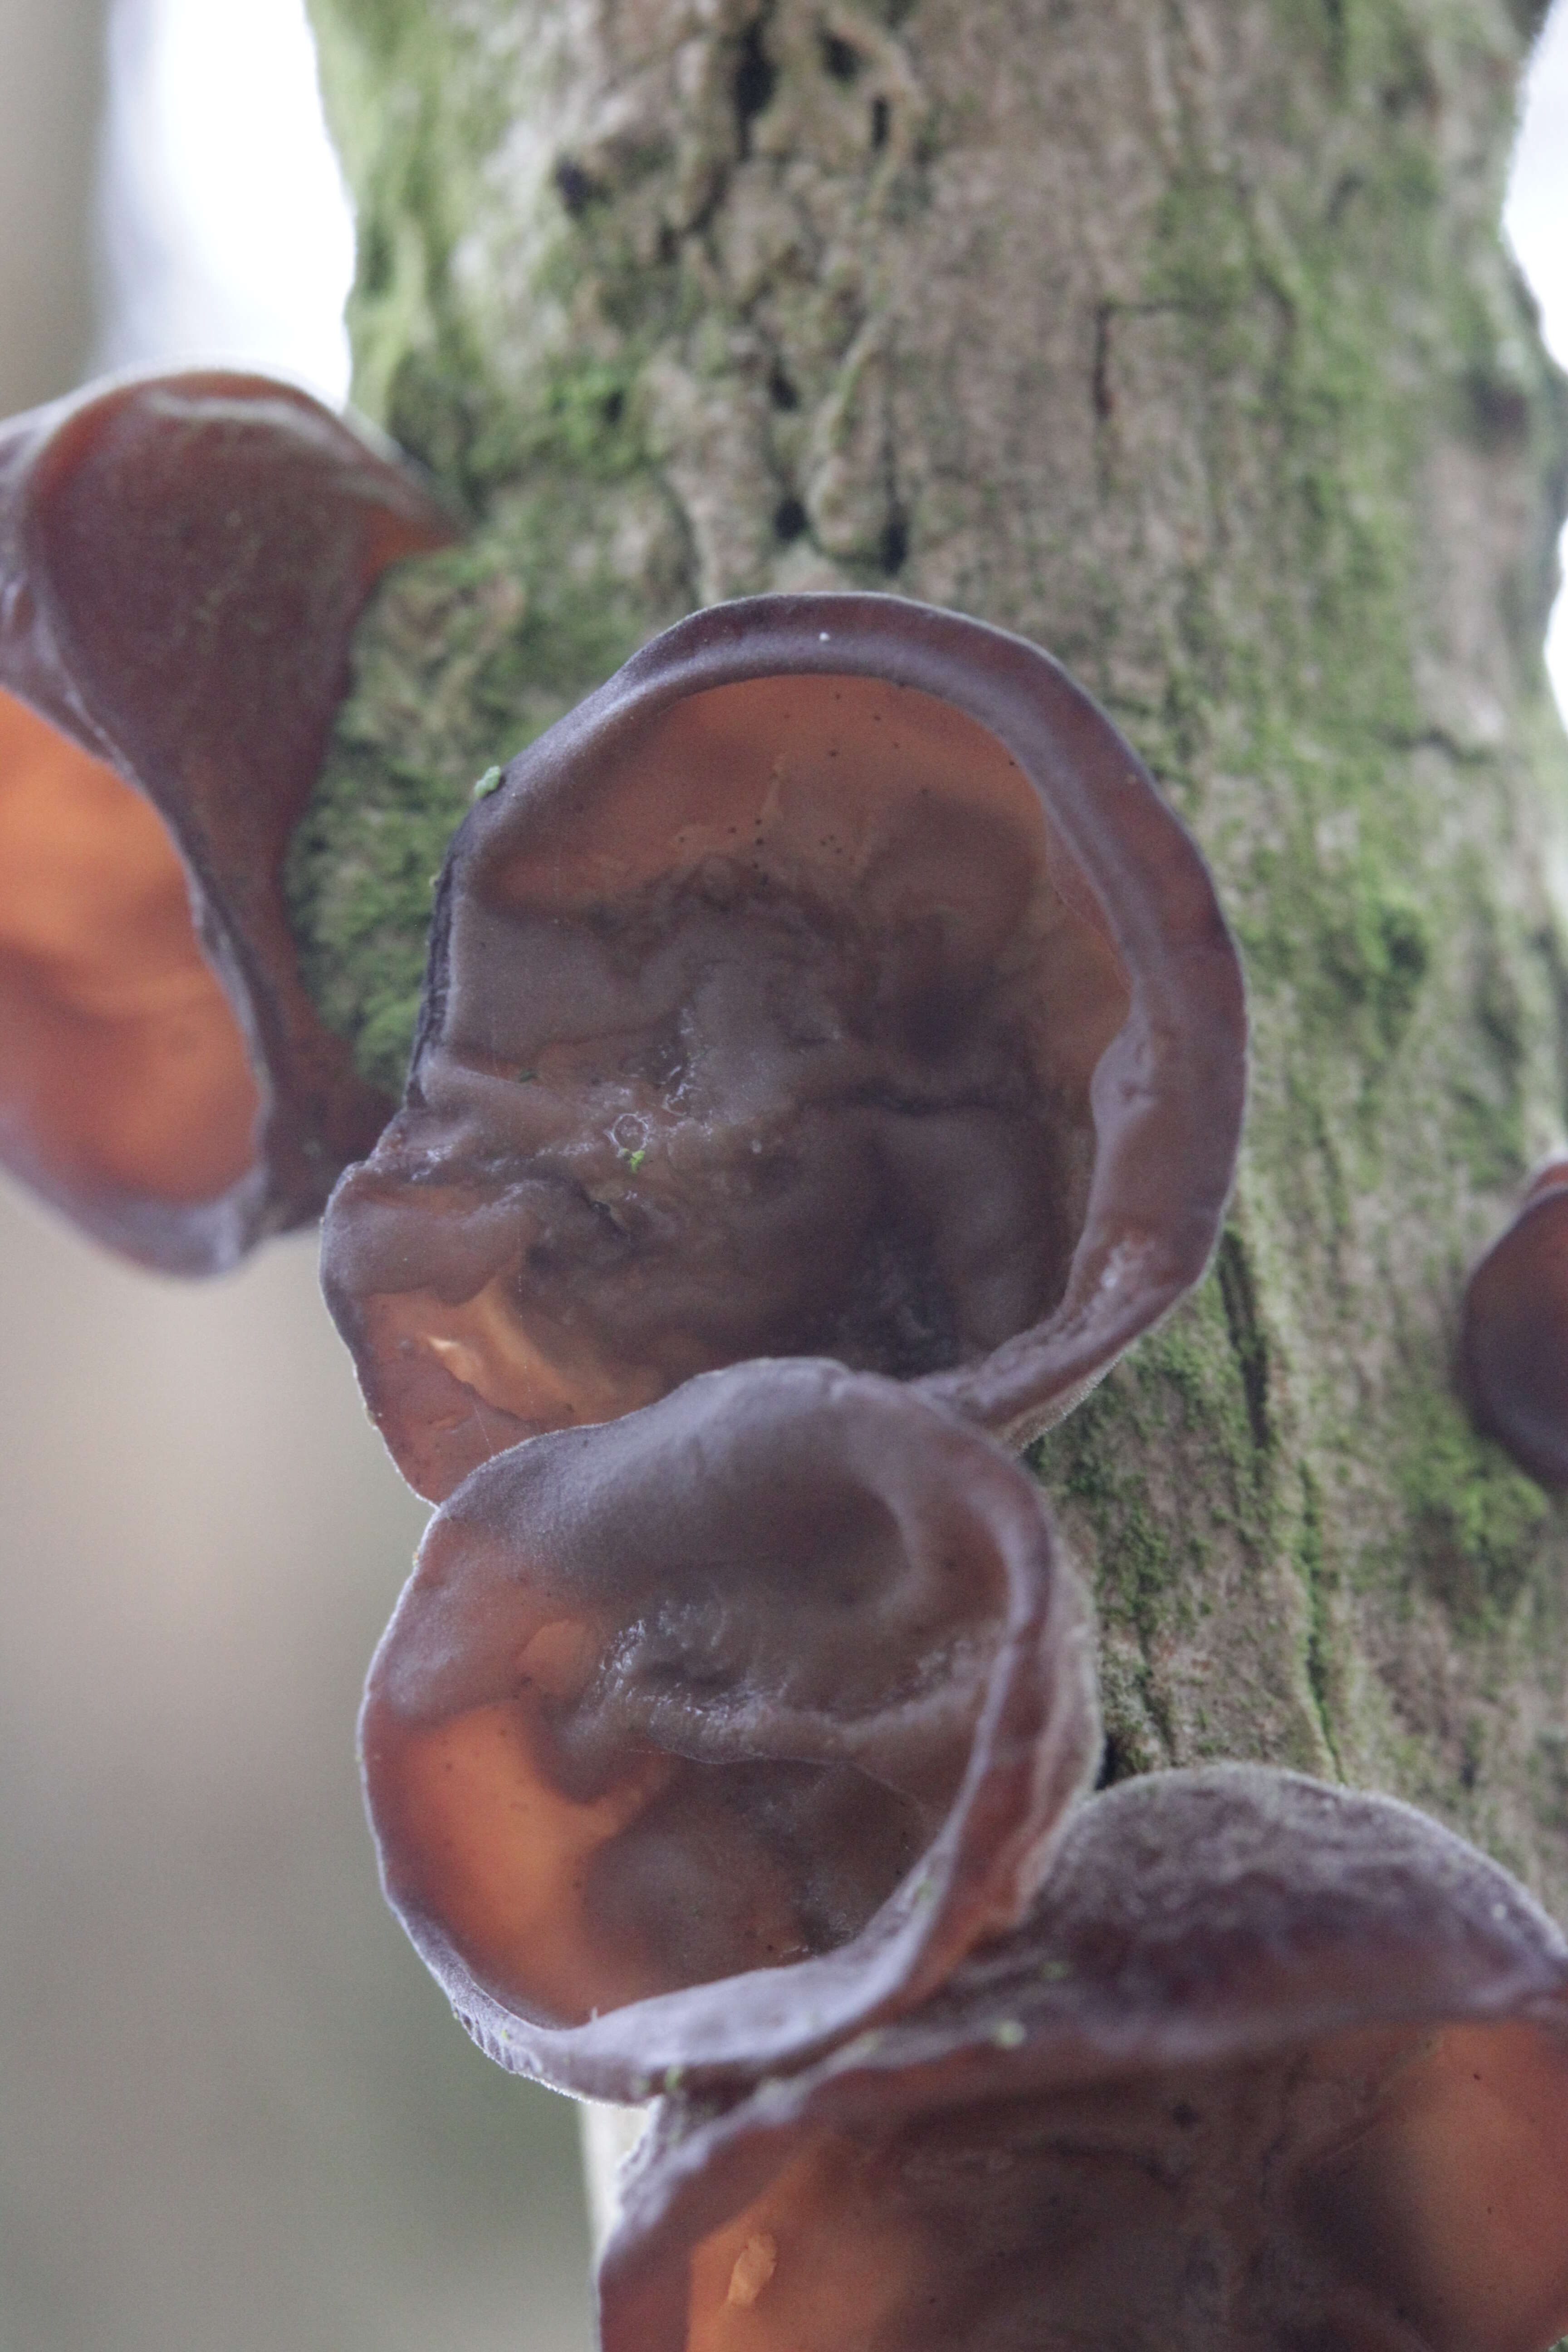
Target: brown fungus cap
<point>1514,1339</point>
<point>701,1738</point>
<point>834,981</point>
<point>1271,2068</point>
<point>182,559</point>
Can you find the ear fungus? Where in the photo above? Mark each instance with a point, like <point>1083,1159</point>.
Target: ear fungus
<point>833,982</point>
<point>1270,2064</point>
<point>703,1737</point>
<point>182,559</point>
<point>1513,1335</point>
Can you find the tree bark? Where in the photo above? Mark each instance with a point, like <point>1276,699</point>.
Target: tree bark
<point>1176,335</point>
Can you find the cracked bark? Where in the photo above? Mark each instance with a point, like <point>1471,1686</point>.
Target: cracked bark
<point>1179,338</point>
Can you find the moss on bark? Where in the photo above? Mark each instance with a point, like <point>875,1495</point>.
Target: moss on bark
<point>1180,339</point>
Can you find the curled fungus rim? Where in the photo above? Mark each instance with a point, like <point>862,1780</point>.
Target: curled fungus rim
<point>183,561</point>
<point>1281,1916</point>
<point>1167,1093</point>
<point>938,1486</point>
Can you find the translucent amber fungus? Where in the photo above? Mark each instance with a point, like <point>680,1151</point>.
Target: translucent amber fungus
<point>182,559</point>
<point>703,1737</point>
<point>1271,2067</point>
<point>834,981</point>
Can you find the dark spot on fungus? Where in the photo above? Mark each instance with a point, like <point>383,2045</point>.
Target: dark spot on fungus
<point>1292,2072</point>
<point>701,1736</point>
<point>1513,1333</point>
<point>867,921</point>
<point>182,559</point>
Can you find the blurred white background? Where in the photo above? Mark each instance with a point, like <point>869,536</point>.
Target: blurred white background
<point>225,227</point>
<point>1536,213</point>
<point>234,2115</point>
<point>1536,220</point>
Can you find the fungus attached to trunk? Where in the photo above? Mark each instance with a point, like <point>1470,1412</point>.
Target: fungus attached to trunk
<point>833,982</point>
<point>182,559</point>
<point>701,1738</point>
<point>1271,2067</point>
<point>1513,1340</point>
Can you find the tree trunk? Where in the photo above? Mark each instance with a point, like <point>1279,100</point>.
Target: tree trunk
<point>1175,335</point>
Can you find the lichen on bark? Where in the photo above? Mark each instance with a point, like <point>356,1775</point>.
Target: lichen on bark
<point>1180,339</point>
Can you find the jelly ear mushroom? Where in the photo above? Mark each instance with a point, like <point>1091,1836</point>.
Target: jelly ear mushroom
<point>182,559</point>
<point>1270,2065</point>
<point>703,1737</point>
<point>1513,1335</point>
<point>834,981</point>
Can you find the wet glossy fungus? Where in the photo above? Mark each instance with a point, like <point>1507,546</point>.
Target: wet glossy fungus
<point>1271,2067</point>
<point>702,1737</point>
<point>1513,1340</point>
<point>182,559</point>
<point>834,981</point>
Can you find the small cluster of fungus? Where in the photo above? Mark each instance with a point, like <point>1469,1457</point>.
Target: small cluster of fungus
<point>1513,1341</point>
<point>832,1058</point>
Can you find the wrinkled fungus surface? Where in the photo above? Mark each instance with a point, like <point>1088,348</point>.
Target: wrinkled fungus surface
<point>702,1737</point>
<point>182,562</point>
<point>1513,1341</point>
<point>832,983</point>
<point>1270,2068</point>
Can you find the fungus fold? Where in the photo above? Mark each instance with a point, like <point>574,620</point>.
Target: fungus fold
<point>1513,1335</point>
<point>182,559</point>
<point>834,981</point>
<point>1270,2067</point>
<point>702,1738</point>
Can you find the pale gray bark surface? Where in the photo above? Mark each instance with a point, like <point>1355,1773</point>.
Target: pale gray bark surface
<point>1175,335</point>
